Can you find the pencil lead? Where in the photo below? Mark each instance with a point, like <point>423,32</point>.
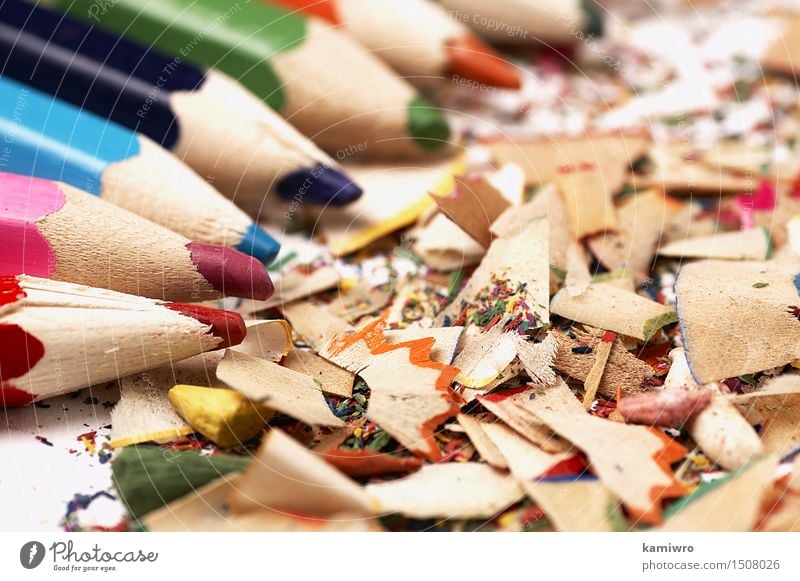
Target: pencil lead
<point>427,125</point>
<point>226,325</point>
<point>257,243</point>
<point>231,272</point>
<point>319,185</point>
<point>475,60</point>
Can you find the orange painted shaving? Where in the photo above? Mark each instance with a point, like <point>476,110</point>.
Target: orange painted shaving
<point>419,356</point>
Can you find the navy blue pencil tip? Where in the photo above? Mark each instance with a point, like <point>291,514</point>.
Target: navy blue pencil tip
<point>319,186</point>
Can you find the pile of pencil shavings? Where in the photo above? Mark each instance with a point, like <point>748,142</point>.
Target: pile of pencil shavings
<point>554,384</point>
<point>590,333</point>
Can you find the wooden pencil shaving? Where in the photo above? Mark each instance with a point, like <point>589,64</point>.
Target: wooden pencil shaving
<point>509,405</point>
<point>787,384</point>
<point>753,244</point>
<point>143,412</point>
<point>451,491</point>
<point>270,340</point>
<point>583,505</point>
<point>540,159</point>
<point>609,307</point>
<point>641,220</point>
<point>587,198</point>
<point>207,509</point>
<point>547,204</point>
<point>475,427</point>
<point>314,324</point>
<point>277,387</point>
<point>332,379</point>
<point>444,246</point>
<point>578,277</point>
<point>623,371</point>
<point>764,295</point>
<point>359,301</point>
<point>632,461</point>
<point>410,393</point>
<point>781,56</point>
<point>446,340</point>
<point>538,359</point>
<point>677,171</point>
<point>779,417</point>
<point>475,204</point>
<point>743,489</point>
<point>485,356</point>
<point>285,476</point>
<point>525,460</point>
<point>598,369</point>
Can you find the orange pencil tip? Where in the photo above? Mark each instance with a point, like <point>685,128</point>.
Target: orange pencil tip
<point>475,60</point>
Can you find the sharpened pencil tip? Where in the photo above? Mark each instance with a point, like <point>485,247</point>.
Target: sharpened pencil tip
<point>427,125</point>
<point>319,185</point>
<point>226,325</point>
<point>231,272</point>
<point>473,59</point>
<point>259,244</point>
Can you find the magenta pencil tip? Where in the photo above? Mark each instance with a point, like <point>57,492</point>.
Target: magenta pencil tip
<point>231,272</point>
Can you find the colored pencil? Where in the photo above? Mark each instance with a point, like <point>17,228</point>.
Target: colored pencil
<point>324,83</point>
<point>53,230</point>
<point>417,38</point>
<point>207,119</point>
<point>58,337</point>
<point>49,138</point>
<point>559,22</point>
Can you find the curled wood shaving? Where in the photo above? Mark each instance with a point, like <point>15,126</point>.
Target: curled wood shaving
<point>631,461</point>
<point>410,393</point>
